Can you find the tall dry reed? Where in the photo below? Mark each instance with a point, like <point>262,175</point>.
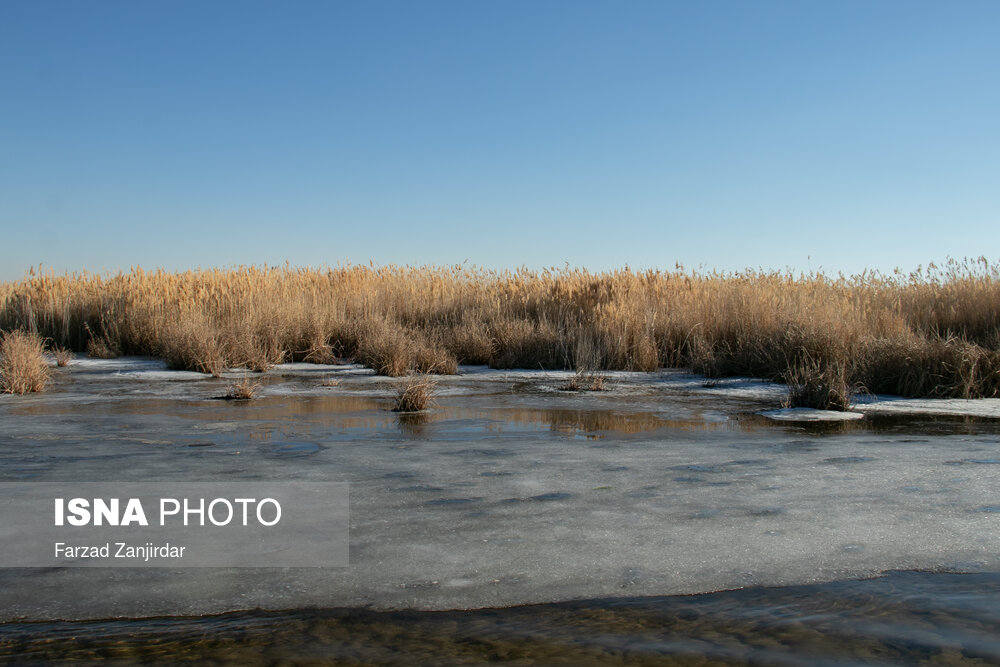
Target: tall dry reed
<point>935,332</point>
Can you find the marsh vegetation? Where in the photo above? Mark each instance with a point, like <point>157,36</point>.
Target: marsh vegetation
<point>934,332</point>
<point>242,390</point>
<point>23,368</point>
<point>414,394</point>
<point>586,381</point>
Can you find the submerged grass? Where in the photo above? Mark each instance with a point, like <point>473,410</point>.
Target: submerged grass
<point>935,332</point>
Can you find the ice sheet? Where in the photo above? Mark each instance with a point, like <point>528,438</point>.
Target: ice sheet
<point>893,405</point>
<point>811,415</point>
<point>511,491</point>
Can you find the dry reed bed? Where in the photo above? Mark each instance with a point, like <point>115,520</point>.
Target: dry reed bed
<point>935,332</point>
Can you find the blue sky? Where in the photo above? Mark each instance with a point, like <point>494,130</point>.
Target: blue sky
<point>835,135</point>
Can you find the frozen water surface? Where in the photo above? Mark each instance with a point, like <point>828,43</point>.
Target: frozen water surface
<point>811,415</point>
<point>513,491</point>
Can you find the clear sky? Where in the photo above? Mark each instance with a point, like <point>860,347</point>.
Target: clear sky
<point>836,135</point>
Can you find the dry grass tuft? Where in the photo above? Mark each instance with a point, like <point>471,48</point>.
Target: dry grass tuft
<point>99,346</point>
<point>821,386</point>
<point>22,363</point>
<point>242,390</point>
<point>317,352</point>
<point>192,345</point>
<point>391,356</point>
<point>414,394</point>
<point>428,358</point>
<point>62,356</point>
<point>102,348</point>
<point>260,356</point>
<point>586,381</point>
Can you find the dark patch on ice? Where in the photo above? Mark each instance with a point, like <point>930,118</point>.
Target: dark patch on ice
<point>419,488</point>
<point>705,514</point>
<point>849,459</point>
<point>989,508</point>
<point>496,473</point>
<point>766,511</point>
<point>557,495</point>
<point>201,444</point>
<point>689,480</point>
<point>400,474</point>
<point>614,469</point>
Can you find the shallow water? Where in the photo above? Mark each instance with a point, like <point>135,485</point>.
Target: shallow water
<point>905,617</point>
<point>512,492</point>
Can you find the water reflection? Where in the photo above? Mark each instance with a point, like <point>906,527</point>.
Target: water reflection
<point>363,413</point>
<point>901,424</point>
<point>340,414</point>
<point>414,424</point>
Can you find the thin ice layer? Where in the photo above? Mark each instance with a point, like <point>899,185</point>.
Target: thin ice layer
<point>511,491</point>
